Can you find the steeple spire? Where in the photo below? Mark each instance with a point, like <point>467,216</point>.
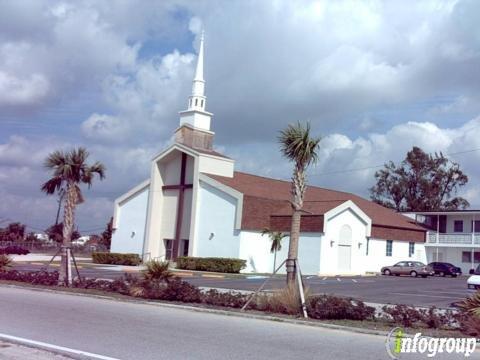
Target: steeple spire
<point>199,70</point>
<point>195,121</point>
<point>197,100</point>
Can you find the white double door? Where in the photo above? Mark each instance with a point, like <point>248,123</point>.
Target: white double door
<point>345,249</point>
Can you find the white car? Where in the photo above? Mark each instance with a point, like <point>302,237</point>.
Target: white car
<point>473,281</point>
<point>81,241</point>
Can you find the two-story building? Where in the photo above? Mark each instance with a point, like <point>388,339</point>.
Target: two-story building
<point>453,236</point>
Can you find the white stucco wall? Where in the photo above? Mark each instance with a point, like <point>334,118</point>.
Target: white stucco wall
<point>255,248</point>
<point>467,223</point>
<point>216,215</point>
<point>377,257</point>
<point>215,165</point>
<point>131,217</point>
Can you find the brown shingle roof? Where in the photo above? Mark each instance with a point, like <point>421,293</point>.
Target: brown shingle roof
<point>266,197</point>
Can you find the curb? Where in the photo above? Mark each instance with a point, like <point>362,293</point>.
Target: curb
<point>53,349</point>
<point>246,315</point>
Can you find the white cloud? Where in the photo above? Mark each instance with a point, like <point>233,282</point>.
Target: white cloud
<point>340,153</point>
<point>104,127</point>
<point>16,91</point>
<point>338,64</point>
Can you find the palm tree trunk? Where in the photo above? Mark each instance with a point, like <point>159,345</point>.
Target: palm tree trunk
<point>65,277</point>
<point>274,261</point>
<point>293,247</point>
<point>60,200</point>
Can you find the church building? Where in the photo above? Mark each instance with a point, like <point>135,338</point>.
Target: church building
<point>196,204</point>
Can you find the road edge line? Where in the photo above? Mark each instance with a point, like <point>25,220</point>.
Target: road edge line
<point>56,349</point>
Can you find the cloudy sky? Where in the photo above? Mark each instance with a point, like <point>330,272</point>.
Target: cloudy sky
<point>372,77</point>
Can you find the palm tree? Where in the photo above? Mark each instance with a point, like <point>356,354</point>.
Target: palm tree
<point>276,237</point>
<point>298,147</point>
<point>70,170</point>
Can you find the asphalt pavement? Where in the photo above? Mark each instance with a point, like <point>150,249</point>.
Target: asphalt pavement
<point>125,330</point>
<point>431,291</point>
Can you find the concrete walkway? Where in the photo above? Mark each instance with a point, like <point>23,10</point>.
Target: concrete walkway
<point>41,257</point>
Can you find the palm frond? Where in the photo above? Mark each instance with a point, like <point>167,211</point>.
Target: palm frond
<point>55,159</point>
<point>297,145</point>
<point>53,185</point>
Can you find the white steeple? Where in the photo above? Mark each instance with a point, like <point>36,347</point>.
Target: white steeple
<point>195,115</point>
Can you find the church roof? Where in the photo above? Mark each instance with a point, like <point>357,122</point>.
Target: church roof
<point>266,199</point>
<point>207,152</point>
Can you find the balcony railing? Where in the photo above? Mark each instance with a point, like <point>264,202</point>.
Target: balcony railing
<point>454,239</point>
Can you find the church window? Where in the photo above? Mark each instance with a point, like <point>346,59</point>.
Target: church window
<point>202,104</point>
<point>168,248</point>
<point>196,102</point>
<point>411,249</point>
<point>389,249</point>
<point>185,247</point>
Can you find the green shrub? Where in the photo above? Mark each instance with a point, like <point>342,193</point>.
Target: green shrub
<point>337,308</point>
<point>471,304</point>
<point>469,315</point>
<point>116,258</point>
<point>223,265</point>
<point>435,319</point>
<point>5,262</point>
<point>226,299</point>
<point>469,323</point>
<point>157,270</point>
<point>404,315</point>
<point>179,290</point>
<point>32,277</point>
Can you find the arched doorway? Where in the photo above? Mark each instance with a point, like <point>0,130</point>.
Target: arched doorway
<point>345,249</point>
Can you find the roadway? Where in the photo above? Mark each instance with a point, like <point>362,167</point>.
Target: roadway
<point>125,330</point>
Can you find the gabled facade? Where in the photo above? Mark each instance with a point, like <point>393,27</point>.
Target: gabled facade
<point>195,204</point>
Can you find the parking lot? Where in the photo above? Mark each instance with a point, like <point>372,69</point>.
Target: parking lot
<point>432,291</point>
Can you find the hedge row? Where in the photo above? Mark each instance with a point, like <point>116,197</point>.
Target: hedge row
<point>223,265</point>
<point>32,277</point>
<point>14,250</point>
<point>116,258</point>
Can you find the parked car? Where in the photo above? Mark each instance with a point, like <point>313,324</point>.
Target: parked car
<point>82,240</point>
<point>412,268</point>
<point>473,281</point>
<point>444,269</point>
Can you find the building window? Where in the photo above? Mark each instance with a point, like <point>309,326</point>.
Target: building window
<point>476,226</point>
<point>196,102</point>
<point>411,249</point>
<point>458,226</point>
<point>368,246</point>
<point>185,243</point>
<point>467,257</point>
<point>202,104</point>
<point>168,248</point>
<point>389,247</point>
